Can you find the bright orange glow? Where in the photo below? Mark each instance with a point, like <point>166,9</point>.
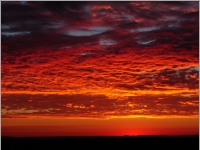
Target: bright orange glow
<point>96,127</point>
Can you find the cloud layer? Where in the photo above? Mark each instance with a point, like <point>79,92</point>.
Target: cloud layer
<point>100,59</point>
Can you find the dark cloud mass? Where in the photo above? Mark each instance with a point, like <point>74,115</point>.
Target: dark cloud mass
<point>99,59</point>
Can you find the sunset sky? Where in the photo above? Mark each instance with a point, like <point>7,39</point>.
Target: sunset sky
<point>99,68</point>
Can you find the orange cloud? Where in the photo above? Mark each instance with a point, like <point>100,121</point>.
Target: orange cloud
<point>103,60</point>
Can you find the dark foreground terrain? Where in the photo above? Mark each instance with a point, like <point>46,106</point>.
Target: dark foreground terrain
<point>125,142</point>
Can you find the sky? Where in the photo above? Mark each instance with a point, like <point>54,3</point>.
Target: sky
<point>99,68</point>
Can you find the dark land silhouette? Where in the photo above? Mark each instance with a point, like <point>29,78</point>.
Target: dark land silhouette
<point>103,142</point>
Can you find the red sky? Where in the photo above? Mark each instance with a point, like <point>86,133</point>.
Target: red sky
<point>99,68</point>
